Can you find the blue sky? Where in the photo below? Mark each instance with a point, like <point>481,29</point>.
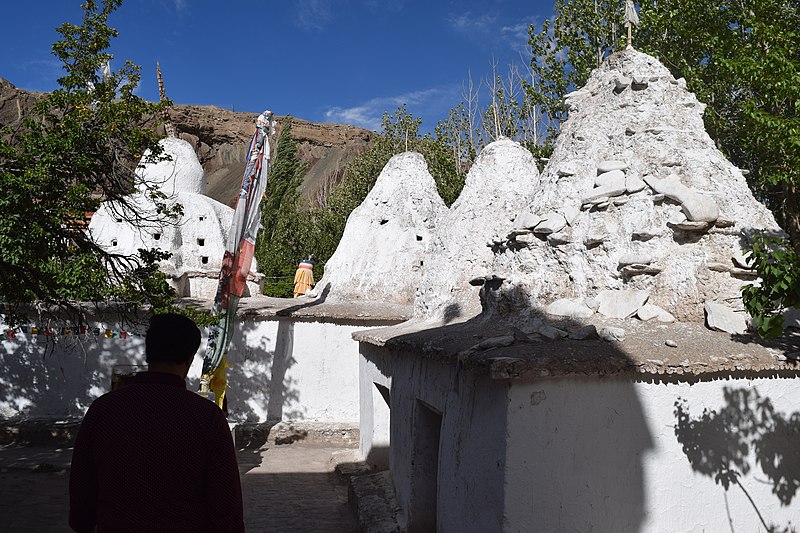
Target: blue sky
<point>341,61</point>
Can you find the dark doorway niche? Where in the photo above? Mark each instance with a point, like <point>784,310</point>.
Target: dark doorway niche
<point>425,469</point>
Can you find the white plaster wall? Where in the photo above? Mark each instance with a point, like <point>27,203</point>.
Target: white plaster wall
<point>204,220</point>
<point>294,370</point>
<point>594,454</point>
<point>281,370</point>
<point>375,415</point>
<point>59,376</point>
<point>471,454</point>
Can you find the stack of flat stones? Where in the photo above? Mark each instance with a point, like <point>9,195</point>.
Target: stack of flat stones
<point>613,186</point>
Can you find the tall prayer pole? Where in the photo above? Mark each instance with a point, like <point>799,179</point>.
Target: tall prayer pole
<point>239,251</point>
<point>631,19</point>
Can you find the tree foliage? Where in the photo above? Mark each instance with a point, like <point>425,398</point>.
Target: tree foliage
<point>778,268</point>
<point>80,146</point>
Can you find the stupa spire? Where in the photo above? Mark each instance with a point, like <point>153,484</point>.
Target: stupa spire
<point>170,129</point>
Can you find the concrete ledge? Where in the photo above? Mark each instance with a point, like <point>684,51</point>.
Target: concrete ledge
<point>40,432</point>
<point>340,435</point>
<point>373,499</point>
<point>320,309</point>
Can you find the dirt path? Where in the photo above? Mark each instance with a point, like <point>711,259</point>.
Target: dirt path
<point>286,488</point>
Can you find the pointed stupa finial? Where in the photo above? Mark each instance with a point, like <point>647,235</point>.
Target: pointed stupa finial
<point>170,129</point>
<point>631,19</point>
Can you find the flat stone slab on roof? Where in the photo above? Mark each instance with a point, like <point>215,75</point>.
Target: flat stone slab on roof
<point>643,351</point>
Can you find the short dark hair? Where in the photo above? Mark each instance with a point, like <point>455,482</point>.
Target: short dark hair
<point>171,338</point>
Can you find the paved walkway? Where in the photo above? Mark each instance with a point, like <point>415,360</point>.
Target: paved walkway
<point>286,488</point>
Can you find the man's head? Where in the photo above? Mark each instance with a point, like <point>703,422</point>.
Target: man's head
<point>171,338</point>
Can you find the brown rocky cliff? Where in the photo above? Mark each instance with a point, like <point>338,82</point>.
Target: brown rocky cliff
<point>15,103</point>
<point>220,138</point>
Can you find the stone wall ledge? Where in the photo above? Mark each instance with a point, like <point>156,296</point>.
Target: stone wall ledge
<point>680,351</point>
<point>360,312</point>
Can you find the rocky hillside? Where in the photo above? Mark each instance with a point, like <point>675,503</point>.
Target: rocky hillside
<point>220,138</point>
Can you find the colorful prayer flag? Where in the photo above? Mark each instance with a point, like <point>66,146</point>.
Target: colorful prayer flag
<point>238,257</point>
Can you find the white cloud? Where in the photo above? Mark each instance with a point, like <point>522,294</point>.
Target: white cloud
<point>180,5</point>
<point>368,114</point>
<point>312,15</point>
<point>469,23</point>
<point>516,35</point>
<point>487,28</point>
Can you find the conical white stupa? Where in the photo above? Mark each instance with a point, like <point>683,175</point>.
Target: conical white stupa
<point>636,204</point>
<point>381,255</point>
<point>196,241</point>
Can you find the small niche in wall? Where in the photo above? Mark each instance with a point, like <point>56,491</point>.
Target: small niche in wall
<point>384,394</point>
<point>201,242</point>
<point>204,259</point>
<point>202,218</point>
<point>419,237</point>
<point>114,242</point>
<point>157,236</point>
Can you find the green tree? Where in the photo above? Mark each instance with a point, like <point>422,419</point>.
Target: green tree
<point>778,266</point>
<point>80,146</point>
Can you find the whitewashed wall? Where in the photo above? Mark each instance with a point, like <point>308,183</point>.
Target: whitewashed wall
<point>283,369</point>
<point>588,453</point>
<point>58,376</point>
<point>294,370</point>
<point>472,440</point>
<point>595,454</point>
<point>375,414</point>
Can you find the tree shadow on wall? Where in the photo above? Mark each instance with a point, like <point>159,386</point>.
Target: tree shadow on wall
<point>718,444</point>
<point>59,375</point>
<point>260,391</point>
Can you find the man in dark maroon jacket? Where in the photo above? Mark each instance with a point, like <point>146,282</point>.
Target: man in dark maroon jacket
<point>153,456</point>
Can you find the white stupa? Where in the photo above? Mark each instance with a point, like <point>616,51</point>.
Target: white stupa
<point>636,205</point>
<point>196,240</point>
<point>382,251</point>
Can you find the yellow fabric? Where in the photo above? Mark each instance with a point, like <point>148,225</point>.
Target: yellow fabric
<point>303,281</point>
<point>219,381</point>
